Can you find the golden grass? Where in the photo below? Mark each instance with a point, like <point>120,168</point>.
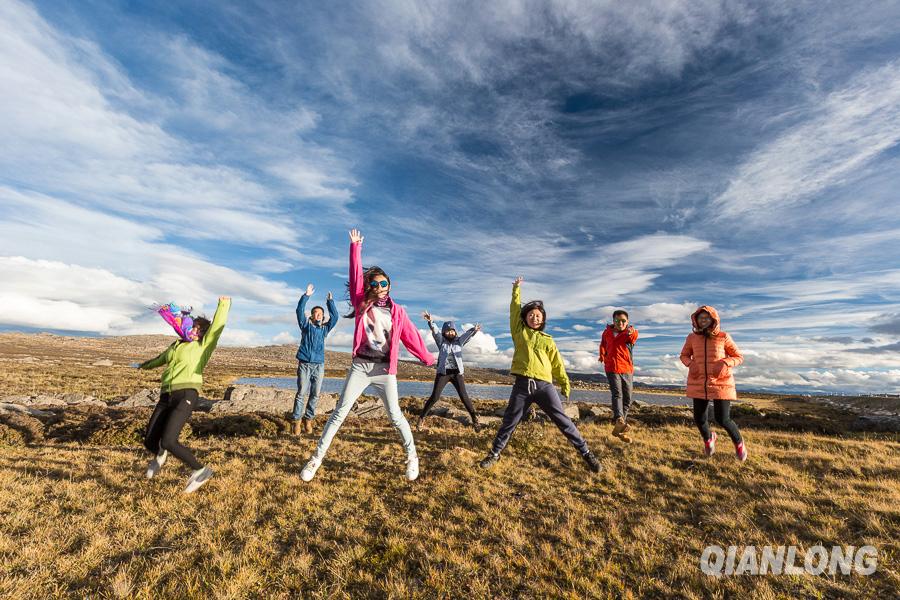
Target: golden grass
<point>80,520</point>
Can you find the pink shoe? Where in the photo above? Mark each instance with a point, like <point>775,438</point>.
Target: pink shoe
<point>741,451</point>
<point>710,444</point>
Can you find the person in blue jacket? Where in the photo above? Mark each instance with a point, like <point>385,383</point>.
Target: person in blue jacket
<point>449,366</point>
<point>311,357</point>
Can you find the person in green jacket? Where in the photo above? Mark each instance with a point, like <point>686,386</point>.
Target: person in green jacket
<point>182,381</point>
<point>536,363</point>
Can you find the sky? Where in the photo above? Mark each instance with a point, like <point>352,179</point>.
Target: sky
<point>653,156</point>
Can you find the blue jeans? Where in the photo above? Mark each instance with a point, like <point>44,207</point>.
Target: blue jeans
<point>309,383</point>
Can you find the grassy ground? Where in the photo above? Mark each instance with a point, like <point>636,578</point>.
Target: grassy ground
<point>80,521</point>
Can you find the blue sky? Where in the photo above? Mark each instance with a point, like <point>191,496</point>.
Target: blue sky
<point>653,156</point>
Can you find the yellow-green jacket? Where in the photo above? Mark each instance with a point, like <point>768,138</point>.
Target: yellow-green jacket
<point>185,360</point>
<point>536,355</point>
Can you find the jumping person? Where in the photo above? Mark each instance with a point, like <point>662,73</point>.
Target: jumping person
<point>536,363</point>
<point>616,354</point>
<point>381,326</point>
<point>182,381</point>
<point>449,366</point>
<point>709,354</point>
<point>311,358</point>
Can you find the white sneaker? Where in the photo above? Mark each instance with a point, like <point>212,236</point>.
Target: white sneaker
<point>412,468</point>
<point>156,464</point>
<point>309,471</point>
<point>198,478</point>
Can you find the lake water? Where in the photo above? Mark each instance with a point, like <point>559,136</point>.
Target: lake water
<point>477,391</point>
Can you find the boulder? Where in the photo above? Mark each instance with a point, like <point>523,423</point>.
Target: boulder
<point>251,398</point>
<point>369,409</point>
<point>8,408</point>
<point>80,399</point>
<point>144,398</point>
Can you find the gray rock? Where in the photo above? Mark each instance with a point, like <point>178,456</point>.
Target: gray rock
<point>251,398</point>
<point>369,409</point>
<point>145,397</point>
<point>8,408</point>
<point>80,399</point>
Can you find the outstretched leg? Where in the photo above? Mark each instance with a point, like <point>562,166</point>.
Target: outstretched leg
<point>355,384</point>
<point>548,399</point>
<point>439,382</point>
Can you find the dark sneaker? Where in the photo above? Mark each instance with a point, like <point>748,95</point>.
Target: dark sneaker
<point>592,463</point>
<point>476,426</point>
<point>489,461</point>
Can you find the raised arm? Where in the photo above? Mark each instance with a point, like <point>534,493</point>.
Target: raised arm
<point>632,334</point>
<point>733,356</point>
<point>464,338</point>
<point>301,310</point>
<point>333,316</point>
<point>357,293</point>
<point>209,341</point>
<point>687,353</point>
<point>515,307</point>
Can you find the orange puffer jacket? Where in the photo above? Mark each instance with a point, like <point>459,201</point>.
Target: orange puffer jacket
<point>709,358</point>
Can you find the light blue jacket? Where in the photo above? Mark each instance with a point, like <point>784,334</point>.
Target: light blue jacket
<point>446,347</point>
<point>312,344</point>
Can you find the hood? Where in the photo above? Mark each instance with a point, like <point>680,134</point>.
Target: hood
<point>714,328</point>
<point>448,325</point>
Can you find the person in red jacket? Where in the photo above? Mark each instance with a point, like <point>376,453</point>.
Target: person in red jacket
<point>709,354</point>
<point>616,354</point>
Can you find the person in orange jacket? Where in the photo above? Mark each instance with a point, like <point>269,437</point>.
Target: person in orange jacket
<point>710,354</point>
<point>616,354</point>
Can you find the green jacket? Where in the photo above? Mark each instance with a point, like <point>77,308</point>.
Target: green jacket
<point>185,360</point>
<point>536,355</point>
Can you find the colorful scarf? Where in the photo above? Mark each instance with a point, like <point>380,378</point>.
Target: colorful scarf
<point>179,318</point>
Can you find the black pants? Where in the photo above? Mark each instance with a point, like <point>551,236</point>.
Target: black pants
<point>168,419</point>
<point>525,391</point>
<point>722,413</point>
<point>440,381</point>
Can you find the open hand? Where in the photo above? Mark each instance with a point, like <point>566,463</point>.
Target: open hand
<point>477,327</point>
<point>356,236</point>
<point>518,281</point>
<point>310,288</point>
<point>426,315</point>
<point>223,298</point>
<point>329,296</point>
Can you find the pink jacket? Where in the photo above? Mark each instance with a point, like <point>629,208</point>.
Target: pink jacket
<point>402,329</point>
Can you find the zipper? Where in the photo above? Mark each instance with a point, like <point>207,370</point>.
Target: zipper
<point>705,370</point>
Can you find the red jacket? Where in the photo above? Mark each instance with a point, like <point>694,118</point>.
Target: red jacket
<point>709,358</point>
<point>616,350</point>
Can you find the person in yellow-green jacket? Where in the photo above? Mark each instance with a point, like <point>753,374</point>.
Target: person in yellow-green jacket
<point>182,381</point>
<point>536,363</point>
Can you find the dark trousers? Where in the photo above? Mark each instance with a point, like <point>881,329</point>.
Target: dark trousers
<point>440,381</point>
<point>722,414</point>
<point>168,419</point>
<point>525,391</point>
<point>620,385</point>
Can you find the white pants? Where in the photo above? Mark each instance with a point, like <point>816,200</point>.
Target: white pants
<point>363,374</point>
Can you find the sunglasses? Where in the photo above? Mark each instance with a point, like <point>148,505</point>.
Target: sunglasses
<point>384,283</point>
<point>621,320</point>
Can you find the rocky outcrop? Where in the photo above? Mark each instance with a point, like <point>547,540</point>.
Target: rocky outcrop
<point>57,400</point>
<point>251,398</point>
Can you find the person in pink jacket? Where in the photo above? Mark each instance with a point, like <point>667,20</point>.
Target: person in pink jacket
<point>381,326</point>
<point>710,354</point>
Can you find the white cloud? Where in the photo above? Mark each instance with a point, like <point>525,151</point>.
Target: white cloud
<point>848,128</point>
<point>286,337</point>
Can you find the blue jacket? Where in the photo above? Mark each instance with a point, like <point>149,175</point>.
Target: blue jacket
<point>445,347</point>
<point>312,344</point>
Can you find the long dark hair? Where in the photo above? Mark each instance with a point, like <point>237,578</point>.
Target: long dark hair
<point>534,304</point>
<point>371,294</point>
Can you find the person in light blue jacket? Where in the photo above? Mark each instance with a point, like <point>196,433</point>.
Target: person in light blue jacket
<point>311,359</point>
<point>449,366</point>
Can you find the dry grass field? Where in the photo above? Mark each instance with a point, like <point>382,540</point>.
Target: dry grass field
<point>78,519</point>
